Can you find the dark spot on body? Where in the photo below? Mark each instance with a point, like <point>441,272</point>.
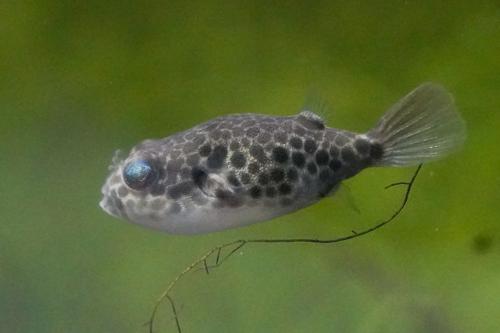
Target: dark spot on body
<point>252,132</point>
<point>280,137</point>
<point>237,131</point>
<point>234,145</point>
<point>233,180</point>
<point>199,139</point>
<point>299,130</point>
<point>292,175</point>
<point>312,168</point>
<point>217,157</point>
<point>286,202</point>
<point>341,140</point>
<point>310,146</point>
<point>334,152</point>
<point>362,146</point>
<point>335,165</point>
<point>175,153</point>
<point>269,146</point>
<point>189,147</point>
<point>268,127</point>
<point>253,168</point>
<point>215,134</point>
<point>199,176</point>
<point>348,155</point>
<point>238,160</point>
<point>298,159</point>
<point>255,192</point>
<point>280,154</point>
<point>263,137</point>
<point>174,166</point>
<point>322,157</point>
<point>172,179</point>
<point>263,179</point>
<point>245,142</point>
<point>185,172</point>
<point>277,175</point>
<point>122,191</point>
<point>287,125</point>
<point>376,151</point>
<point>325,175</point>
<point>258,153</point>
<point>296,142</point>
<point>193,159</point>
<point>157,189</point>
<point>285,189</point>
<point>245,178</point>
<point>205,150</point>
<point>270,192</point>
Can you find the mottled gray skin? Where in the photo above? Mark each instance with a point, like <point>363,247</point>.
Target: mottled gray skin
<point>236,170</point>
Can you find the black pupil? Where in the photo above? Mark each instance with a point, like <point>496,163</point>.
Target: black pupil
<point>139,174</point>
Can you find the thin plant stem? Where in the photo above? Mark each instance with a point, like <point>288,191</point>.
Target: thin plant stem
<point>232,247</point>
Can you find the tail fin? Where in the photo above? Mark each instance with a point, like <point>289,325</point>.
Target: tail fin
<point>423,126</point>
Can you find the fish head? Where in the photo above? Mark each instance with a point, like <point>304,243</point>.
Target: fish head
<point>129,178</point>
<point>158,186</point>
<point>135,187</point>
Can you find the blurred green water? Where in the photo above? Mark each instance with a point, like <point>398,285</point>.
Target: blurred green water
<point>79,80</point>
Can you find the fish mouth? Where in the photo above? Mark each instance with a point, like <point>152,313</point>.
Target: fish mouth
<point>108,205</point>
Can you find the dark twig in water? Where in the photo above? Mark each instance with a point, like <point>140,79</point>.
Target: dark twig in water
<point>236,245</point>
<point>218,256</point>
<point>174,311</point>
<point>205,265</point>
<point>396,184</point>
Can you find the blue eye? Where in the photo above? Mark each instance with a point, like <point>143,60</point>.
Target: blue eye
<point>139,174</point>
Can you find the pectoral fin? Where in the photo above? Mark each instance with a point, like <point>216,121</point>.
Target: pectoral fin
<point>212,185</point>
<point>344,193</point>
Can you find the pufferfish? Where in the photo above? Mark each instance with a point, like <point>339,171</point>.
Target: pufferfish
<point>242,169</point>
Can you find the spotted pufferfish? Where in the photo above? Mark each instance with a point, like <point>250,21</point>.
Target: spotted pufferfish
<point>241,169</point>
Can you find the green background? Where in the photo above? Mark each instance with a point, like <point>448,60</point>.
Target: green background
<point>81,79</point>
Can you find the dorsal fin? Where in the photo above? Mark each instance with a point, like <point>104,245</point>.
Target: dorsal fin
<point>311,120</point>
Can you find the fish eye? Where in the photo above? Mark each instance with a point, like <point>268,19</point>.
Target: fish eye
<point>139,174</point>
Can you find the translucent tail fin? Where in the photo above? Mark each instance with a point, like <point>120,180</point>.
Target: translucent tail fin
<point>423,126</point>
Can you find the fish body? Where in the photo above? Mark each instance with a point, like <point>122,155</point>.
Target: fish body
<point>241,169</point>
